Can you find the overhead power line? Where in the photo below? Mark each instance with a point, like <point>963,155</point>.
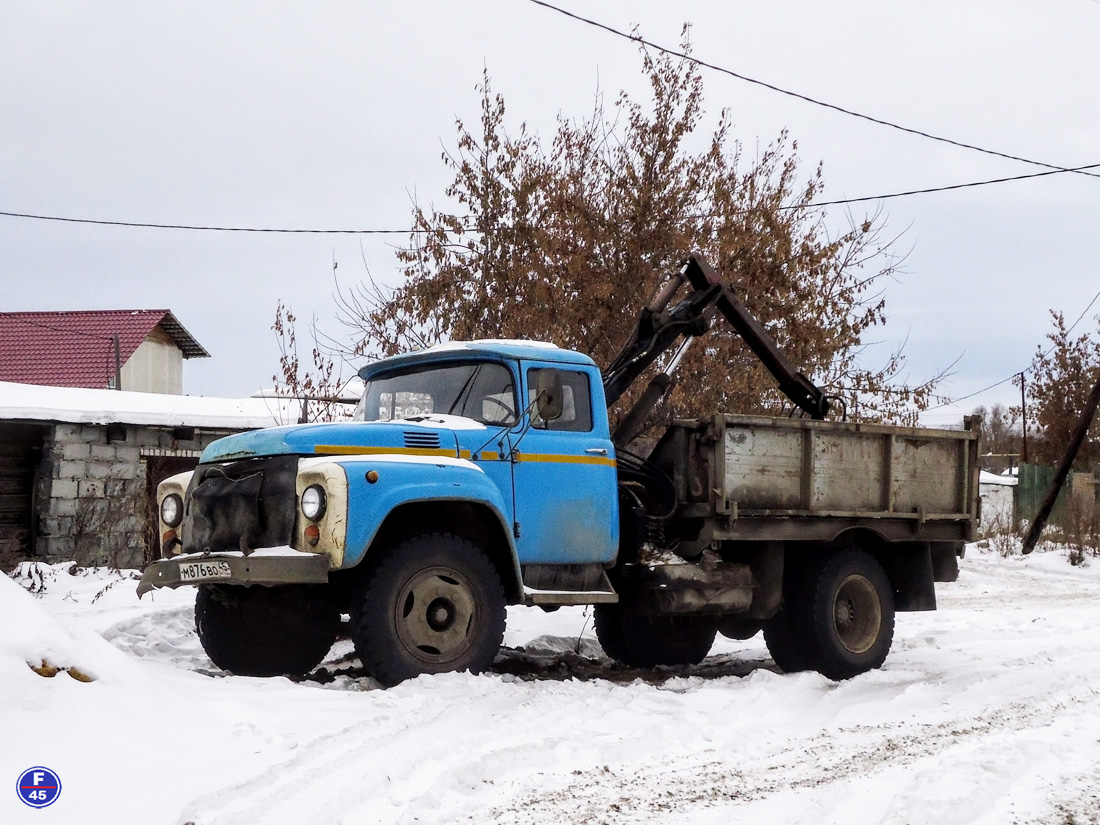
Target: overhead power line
<point>1052,168</point>
<point>950,187</point>
<point>286,231</point>
<point>1024,371</point>
<point>197,228</point>
<point>798,96</point>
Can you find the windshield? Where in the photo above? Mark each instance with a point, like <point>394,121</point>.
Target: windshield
<point>481,391</point>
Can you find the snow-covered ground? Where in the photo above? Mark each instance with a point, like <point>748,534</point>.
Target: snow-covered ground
<point>987,711</point>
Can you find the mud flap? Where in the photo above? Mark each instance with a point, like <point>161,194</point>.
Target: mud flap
<point>909,568</point>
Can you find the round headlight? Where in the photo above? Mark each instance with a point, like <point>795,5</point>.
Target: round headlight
<point>171,510</point>
<point>313,502</point>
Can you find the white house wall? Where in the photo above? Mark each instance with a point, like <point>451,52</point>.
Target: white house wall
<point>156,366</point>
<point>997,507</point>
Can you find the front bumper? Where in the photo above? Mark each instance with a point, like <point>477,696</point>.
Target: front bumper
<point>289,567</point>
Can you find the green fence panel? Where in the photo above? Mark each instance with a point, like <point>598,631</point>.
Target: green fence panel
<point>1034,482</point>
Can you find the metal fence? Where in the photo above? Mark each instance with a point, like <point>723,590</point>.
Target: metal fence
<point>1077,507</point>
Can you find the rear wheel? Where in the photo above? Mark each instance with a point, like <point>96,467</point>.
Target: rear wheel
<point>788,648</point>
<point>845,614</point>
<point>432,603</point>
<point>789,644</point>
<point>645,641</point>
<point>739,629</point>
<point>265,631</point>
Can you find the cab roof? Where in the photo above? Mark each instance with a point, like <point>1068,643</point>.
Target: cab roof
<point>461,350</point>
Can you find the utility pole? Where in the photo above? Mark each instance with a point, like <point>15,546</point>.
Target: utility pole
<point>1023,411</point>
<point>1062,470</point>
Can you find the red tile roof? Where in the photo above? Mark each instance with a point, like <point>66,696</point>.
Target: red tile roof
<point>76,349</point>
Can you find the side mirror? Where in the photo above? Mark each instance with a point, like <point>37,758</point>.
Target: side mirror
<point>549,398</point>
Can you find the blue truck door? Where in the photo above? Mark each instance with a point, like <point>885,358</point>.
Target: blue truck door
<point>493,400</point>
<point>566,494</point>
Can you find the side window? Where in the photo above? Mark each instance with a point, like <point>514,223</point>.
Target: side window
<point>576,411</point>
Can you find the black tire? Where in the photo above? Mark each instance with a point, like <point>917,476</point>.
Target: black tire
<point>845,613</point>
<point>644,641</point>
<point>265,631</point>
<point>739,629</point>
<point>609,631</point>
<point>430,604</point>
<point>787,647</point>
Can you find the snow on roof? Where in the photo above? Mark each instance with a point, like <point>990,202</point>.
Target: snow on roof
<point>999,480</point>
<point>73,405</point>
<point>500,347</point>
<point>76,349</point>
<point>483,343</point>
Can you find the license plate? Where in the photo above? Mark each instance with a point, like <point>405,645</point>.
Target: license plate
<point>191,571</point>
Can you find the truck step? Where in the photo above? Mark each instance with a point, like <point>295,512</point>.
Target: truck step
<point>565,584</point>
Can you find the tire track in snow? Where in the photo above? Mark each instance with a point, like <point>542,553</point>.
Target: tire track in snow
<point>429,760</point>
<point>642,791</point>
<point>318,769</point>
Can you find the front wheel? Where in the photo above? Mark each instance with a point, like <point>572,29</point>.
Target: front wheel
<point>432,603</point>
<point>265,631</point>
<point>645,641</point>
<point>845,614</point>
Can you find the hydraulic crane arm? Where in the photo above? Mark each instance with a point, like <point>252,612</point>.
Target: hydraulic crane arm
<point>656,332</point>
<point>797,387</point>
<point>658,329</point>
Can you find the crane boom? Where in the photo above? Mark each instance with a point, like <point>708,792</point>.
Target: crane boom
<point>658,329</point>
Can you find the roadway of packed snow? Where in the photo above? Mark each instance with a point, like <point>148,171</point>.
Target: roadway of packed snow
<point>987,711</point>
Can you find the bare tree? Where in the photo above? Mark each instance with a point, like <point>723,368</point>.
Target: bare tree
<point>316,387</point>
<point>1001,430</point>
<point>565,241</point>
<point>1062,379</point>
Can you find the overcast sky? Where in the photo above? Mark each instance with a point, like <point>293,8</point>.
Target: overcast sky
<point>334,114</point>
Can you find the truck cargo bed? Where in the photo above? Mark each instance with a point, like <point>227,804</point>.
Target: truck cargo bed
<point>787,478</point>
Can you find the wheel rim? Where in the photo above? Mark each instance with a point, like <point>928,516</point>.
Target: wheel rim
<point>857,614</point>
<point>436,615</point>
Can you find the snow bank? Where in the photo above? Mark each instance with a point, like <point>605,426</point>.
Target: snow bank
<point>33,637</point>
<point>140,740</point>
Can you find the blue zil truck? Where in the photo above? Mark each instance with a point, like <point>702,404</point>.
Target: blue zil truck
<point>484,474</point>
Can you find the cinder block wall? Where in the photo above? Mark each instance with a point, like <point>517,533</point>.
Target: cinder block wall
<point>91,493</point>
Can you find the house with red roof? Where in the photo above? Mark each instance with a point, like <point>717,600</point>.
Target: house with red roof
<point>141,350</point>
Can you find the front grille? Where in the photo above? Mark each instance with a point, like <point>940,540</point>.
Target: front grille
<point>241,505</point>
<point>423,441</point>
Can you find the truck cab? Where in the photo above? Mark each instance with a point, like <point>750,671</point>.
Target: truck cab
<point>556,476</point>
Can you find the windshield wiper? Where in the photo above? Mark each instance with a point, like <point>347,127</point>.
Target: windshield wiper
<point>465,389</point>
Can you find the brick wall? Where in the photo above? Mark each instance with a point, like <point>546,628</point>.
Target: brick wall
<point>91,496</point>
